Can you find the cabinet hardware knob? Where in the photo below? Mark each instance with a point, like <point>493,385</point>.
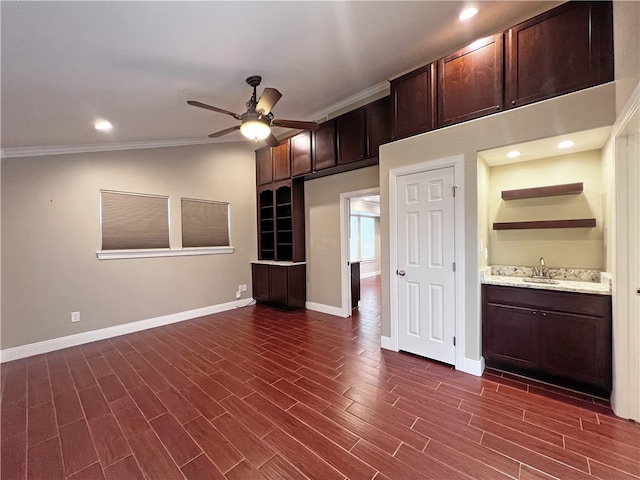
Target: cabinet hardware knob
<point>544,314</point>
<point>513,102</point>
<point>534,312</point>
<point>497,107</point>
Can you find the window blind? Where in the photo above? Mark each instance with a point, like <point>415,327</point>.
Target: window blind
<point>205,223</point>
<point>131,221</point>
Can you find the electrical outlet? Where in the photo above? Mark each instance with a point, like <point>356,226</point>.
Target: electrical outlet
<point>243,287</point>
<point>238,294</point>
<point>75,317</point>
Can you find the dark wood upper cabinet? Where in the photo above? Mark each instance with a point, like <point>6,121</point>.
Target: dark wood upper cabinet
<point>351,136</point>
<point>324,145</point>
<point>413,102</point>
<point>300,146</point>
<point>281,161</point>
<point>563,50</point>
<point>378,123</point>
<point>470,81</point>
<point>264,166</point>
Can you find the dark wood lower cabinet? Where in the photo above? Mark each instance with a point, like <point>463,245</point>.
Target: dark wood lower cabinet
<point>557,336</point>
<point>280,285</point>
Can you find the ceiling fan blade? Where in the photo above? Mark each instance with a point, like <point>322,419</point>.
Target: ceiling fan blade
<point>215,109</point>
<point>224,132</point>
<point>272,141</point>
<point>269,98</point>
<point>279,122</point>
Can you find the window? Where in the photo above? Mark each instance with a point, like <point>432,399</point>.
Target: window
<point>205,223</point>
<point>132,221</point>
<point>362,238</point>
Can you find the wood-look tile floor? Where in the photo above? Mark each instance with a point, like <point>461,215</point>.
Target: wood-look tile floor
<point>258,393</point>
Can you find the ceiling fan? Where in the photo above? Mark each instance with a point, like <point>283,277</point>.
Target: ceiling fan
<point>256,122</point>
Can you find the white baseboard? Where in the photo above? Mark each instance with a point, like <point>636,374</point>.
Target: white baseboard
<point>45,346</point>
<point>472,367</point>
<point>386,343</point>
<point>329,309</point>
<point>370,274</point>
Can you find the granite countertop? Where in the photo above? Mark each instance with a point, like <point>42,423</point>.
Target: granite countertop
<point>569,280</point>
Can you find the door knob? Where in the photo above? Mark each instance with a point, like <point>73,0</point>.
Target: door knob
<point>402,273</point>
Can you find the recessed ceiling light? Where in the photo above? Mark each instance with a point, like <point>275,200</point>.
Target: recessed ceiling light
<point>467,13</point>
<point>566,144</point>
<point>513,154</point>
<point>103,126</point>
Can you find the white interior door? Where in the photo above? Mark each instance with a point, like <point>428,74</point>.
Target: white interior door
<point>425,264</point>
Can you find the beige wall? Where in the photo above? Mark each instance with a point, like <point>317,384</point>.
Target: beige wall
<point>571,247</point>
<point>626,38</point>
<point>483,213</point>
<point>322,208</point>
<point>591,108</point>
<point>51,232</point>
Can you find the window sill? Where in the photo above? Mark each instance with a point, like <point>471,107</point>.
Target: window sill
<point>122,254</point>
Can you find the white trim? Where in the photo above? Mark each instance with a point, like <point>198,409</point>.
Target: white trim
<point>386,343</point>
<point>371,274</point>
<point>457,162</point>
<point>472,367</point>
<point>345,272</point>
<point>325,113</point>
<point>45,346</point>
<point>625,394</point>
<point>328,309</point>
<point>102,147</point>
<point>121,254</point>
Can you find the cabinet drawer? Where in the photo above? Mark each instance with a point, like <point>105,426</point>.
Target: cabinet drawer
<point>579,303</point>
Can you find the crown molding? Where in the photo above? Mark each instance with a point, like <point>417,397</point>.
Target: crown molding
<point>325,113</point>
<point>101,147</point>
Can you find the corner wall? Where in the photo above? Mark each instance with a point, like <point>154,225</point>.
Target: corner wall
<point>322,220</point>
<point>51,232</point>
<point>590,108</point>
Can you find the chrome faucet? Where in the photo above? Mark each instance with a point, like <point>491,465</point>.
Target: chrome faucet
<point>541,270</point>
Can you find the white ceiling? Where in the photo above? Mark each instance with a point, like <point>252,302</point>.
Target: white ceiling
<point>583,141</point>
<point>67,64</point>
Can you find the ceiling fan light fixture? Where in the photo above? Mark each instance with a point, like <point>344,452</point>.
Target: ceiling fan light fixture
<point>255,129</point>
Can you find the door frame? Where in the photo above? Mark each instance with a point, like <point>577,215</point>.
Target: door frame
<point>457,162</point>
<point>625,397</point>
<point>345,272</point>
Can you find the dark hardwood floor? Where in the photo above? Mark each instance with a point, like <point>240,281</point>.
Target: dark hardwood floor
<point>258,393</point>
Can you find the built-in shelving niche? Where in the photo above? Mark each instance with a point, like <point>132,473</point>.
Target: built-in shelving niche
<point>546,191</point>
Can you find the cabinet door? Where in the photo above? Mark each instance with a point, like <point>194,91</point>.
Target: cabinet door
<point>279,286</point>
<point>351,136</point>
<point>264,166</point>
<point>510,335</point>
<point>560,51</point>
<point>413,97</point>
<point>281,161</point>
<point>324,146</point>
<point>378,123</point>
<point>470,81</point>
<point>260,282</point>
<point>576,347</point>
<point>301,154</point>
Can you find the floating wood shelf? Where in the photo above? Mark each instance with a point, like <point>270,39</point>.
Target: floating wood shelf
<point>572,223</point>
<point>549,191</point>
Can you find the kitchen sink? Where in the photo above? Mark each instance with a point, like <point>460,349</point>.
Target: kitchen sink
<point>541,280</point>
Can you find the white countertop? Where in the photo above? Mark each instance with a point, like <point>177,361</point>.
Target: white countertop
<point>599,288</point>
